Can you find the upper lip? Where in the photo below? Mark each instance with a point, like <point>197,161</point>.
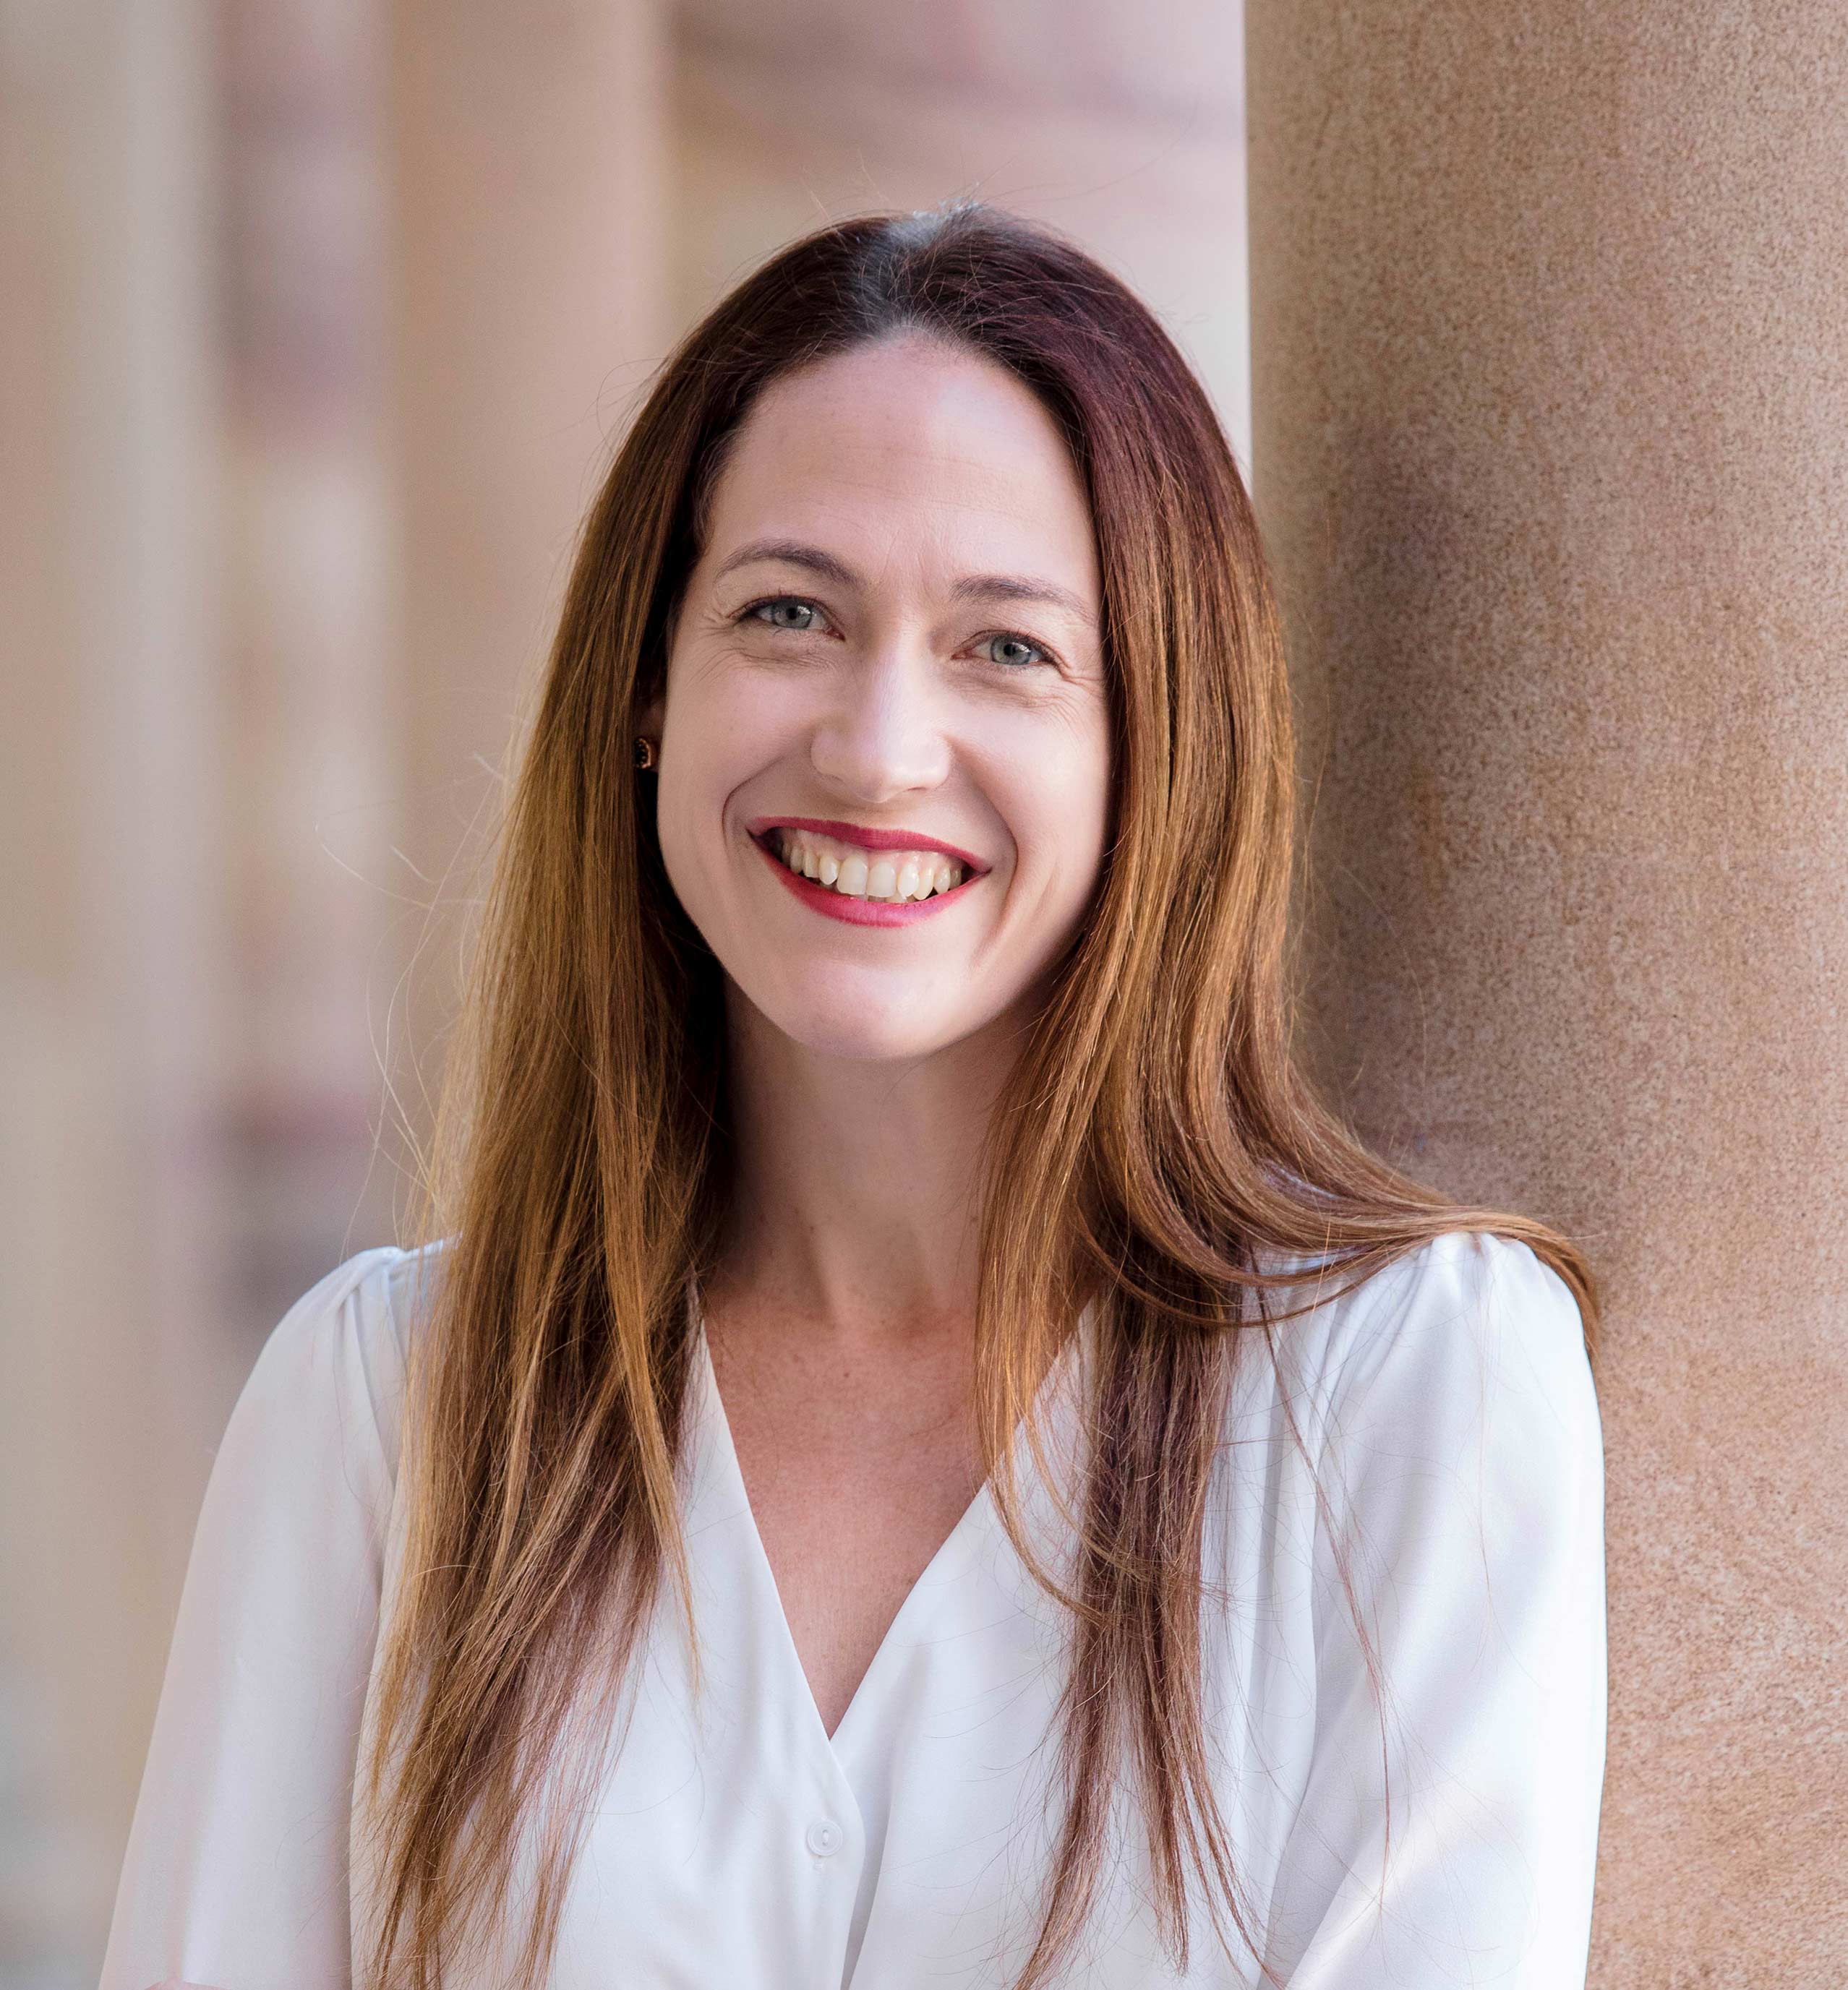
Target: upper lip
<point>868,839</point>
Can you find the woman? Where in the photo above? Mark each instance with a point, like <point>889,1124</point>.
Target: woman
<point>930,1458</point>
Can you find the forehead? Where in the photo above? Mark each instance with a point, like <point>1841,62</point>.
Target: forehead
<point>910,452</point>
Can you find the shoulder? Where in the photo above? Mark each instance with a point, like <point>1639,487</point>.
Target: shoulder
<point>337,1356</point>
<point>1467,1291</point>
<point>1465,1325</point>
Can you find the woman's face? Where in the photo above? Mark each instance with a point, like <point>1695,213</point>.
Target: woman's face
<point>893,632</point>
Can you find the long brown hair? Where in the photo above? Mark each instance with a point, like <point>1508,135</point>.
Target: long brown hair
<point>1158,1144</point>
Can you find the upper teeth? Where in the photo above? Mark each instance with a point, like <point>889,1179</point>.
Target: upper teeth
<point>866,873</point>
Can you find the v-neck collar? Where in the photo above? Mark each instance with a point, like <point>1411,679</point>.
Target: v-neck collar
<point>977,1529</point>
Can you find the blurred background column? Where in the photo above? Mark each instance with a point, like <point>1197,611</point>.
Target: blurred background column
<point>528,266</point>
<point>112,987</point>
<point>1550,374</point>
<point>309,721</point>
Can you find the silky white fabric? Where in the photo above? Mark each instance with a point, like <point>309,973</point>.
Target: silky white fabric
<point>1448,1408</point>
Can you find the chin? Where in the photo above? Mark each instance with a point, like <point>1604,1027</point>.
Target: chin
<point>866,1031</point>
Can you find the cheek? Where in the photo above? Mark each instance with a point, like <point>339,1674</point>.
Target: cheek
<point>729,728</point>
<point>726,728</point>
<point>1058,788</point>
<point>739,714</point>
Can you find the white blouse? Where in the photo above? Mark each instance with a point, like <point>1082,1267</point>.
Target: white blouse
<point>1449,1409</point>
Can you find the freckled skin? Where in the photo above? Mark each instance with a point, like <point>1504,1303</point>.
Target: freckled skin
<point>865,1060</point>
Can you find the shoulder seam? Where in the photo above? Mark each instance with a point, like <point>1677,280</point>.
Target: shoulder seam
<point>327,1300</point>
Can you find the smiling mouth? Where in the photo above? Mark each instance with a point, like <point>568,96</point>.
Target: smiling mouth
<point>859,908</point>
<point>851,870</point>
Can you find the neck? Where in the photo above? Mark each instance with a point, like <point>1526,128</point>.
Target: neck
<point>853,1206</point>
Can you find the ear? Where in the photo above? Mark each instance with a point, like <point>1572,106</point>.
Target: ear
<point>652,718</point>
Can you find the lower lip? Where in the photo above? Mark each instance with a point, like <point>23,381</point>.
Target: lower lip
<point>863,911</point>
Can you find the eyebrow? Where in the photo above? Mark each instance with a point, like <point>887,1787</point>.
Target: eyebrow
<point>971,587</point>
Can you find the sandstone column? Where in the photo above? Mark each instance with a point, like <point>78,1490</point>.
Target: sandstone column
<point>1550,443</point>
<point>527,245</point>
<point>113,995</point>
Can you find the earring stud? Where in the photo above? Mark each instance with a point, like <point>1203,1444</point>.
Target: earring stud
<point>644,751</point>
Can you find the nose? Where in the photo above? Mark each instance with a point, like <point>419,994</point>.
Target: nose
<point>883,733</point>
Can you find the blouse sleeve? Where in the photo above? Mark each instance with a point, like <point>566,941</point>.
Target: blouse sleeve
<point>235,1871</point>
<point>1448,1832</point>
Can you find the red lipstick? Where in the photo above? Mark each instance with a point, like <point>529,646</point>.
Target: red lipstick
<point>868,839</point>
<point>864,912</point>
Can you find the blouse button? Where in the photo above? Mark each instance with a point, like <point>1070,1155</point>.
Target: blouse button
<point>823,1837</point>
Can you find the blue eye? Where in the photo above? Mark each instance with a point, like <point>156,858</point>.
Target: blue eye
<point>779,601</point>
<point>1019,643</point>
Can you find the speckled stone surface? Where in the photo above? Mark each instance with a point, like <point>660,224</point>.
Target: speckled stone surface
<point>1550,342</point>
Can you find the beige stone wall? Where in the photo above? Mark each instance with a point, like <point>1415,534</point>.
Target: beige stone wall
<point>1550,373</point>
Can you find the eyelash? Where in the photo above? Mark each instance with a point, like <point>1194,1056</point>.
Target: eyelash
<point>1046,657</point>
